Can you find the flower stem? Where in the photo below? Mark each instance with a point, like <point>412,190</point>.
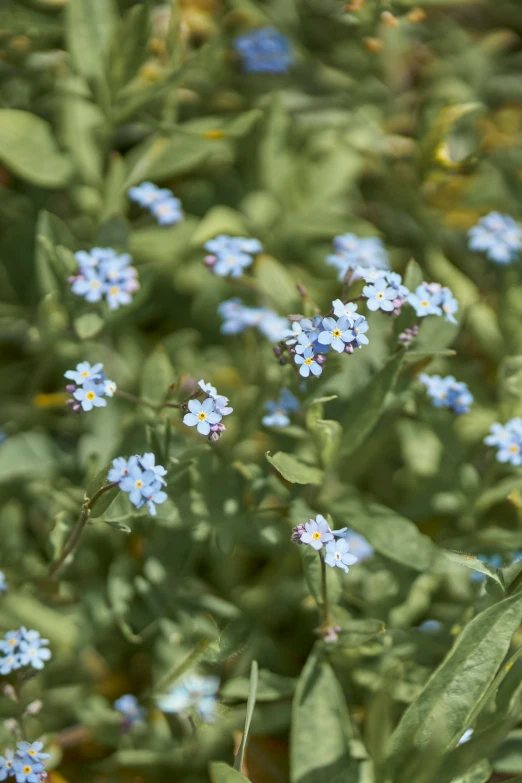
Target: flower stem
<point>324,590</point>
<point>136,400</point>
<point>77,530</point>
<point>20,705</point>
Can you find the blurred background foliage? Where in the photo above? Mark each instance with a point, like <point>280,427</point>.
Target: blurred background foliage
<point>398,119</point>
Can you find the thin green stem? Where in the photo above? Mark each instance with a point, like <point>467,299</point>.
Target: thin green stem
<point>324,590</point>
<point>77,530</point>
<point>137,400</point>
<point>20,705</point>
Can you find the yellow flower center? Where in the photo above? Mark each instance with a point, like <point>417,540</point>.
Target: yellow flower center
<point>138,483</point>
<point>31,752</point>
<point>85,374</point>
<point>114,290</point>
<point>425,303</point>
<point>380,296</point>
<point>90,395</point>
<point>95,284</point>
<point>202,416</point>
<point>513,449</point>
<point>27,769</point>
<point>316,536</point>
<point>308,361</point>
<point>336,332</point>
<point>12,642</point>
<point>357,331</point>
<point>445,308</point>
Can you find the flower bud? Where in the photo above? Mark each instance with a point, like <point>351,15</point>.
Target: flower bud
<point>297,532</point>
<point>76,407</point>
<point>10,692</point>
<point>70,388</point>
<point>277,351</point>
<point>348,348</point>
<point>320,358</point>
<point>210,262</point>
<point>214,436</point>
<point>34,707</point>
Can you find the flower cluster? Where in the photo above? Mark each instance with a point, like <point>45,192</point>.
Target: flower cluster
<point>310,339</point>
<point>195,694</point>
<point>237,318</point>
<point>130,708</point>
<point>141,478</point>
<point>498,236</point>
<point>317,534</point>
<point>230,256</point>
<point>264,51</point>
<point>206,416</point>
<point>90,387</point>
<point>25,764</point>
<point>447,392</point>
<point>386,292</point>
<point>508,440</point>
<point>3,583</point>
<point>278,410</point>
<point>161,203</point>
<point>104,273</point>
<point>23,648</point>
<point>434,299</point>
<point>353,254</point>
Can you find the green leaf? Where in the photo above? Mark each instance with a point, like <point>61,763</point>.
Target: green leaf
<point>275,281</point>
<point>479,773</point>
<point>104,501</point>
<point>251,703</point>
<point>130,47</point>
<point>270,687</point>
<point>413,275</point>
<point>158,375</point>
<point>354,633</point>
<point>26,455</point>
<point>293,470</point>
<point>121,526</point>
<point>219,220</point>
<point>28,148</point>
<point>88,325</point>
<point>442,712</point>
<point>389,533</point>
<point>222,773</point>
<point>319,708</point>
<point>366,407</point>
<point>469,561</point>
<point>89,30</point>
<point>327,433</point>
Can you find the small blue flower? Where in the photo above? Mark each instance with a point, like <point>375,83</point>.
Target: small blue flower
<point>120,468</point>
<point>84,372</point>
<point>89,285</point>
<point>33,655</point>
<point>348,310</point>
<point>7,764</point>
<point>369,274</point>
<point>130,708</point>
<point>117,295</point>
<point>508,439</point>
<point>264,51</point>
<point>146,194</point>
<point>90,395</point>
<point>103,272</point>
<point>148,463</point>
<point>335,333</point>
<point>449,305</point>
<point>499,236</point>
<point>430,626</point>
<point>380,295</point>
<point>137,485</point>
<point>271,325</point>
<point>153,494</point>
<point>395,281</point>
<point>167,211</point>
<point>3,583</point>
<point>27,771</point>
<point>10,642</point>
<point>447,392</point>
<point>337,554</point>
<point>202,415</point>
<point>278,410</point>
<point>31,749</point>
<point>424,302</point>
<point>9,663</point>
<point>194,693</point>
<point>359,329</point>
<point>308,363</point>
<point>358,544</point>
<point>316,533</point>
<point>232,254</point>
<point>355,255</point>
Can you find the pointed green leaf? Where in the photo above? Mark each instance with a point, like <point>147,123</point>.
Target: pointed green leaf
<point>158,375</point>
<point>251,703</point>
<point>222,773</point>
<point>469,561</point>
<point>293,470</point>
<point>89,29</point>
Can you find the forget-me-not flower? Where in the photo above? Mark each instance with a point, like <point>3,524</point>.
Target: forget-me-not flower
<point>167,211</point>
<point>202,415</point>
<point>7,764</point>
<point>34,655</point>
<point>278,410</point>
<point>358,544</point>
<point>129,706</point>
<point>447,392</point>
<point>338,554</point>
<point>104,273</point>
<point>508,440</point>
<point>194,693</point>
<point>308,363</point>
<point>90,395</point>
<point>84,372</point>
<point>335,333</point>
<point>380,295</point>
<point>498,236</point>
<point>264,51</point>
<point>27,771</point>
<point>33,750</point>
<point>359,329</point>
<point>425,302</point>
<point>348,310</point>
<point>141,478</point>
<point>316,533</point>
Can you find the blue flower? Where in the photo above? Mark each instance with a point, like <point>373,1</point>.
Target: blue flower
<point>84,372</point>
<point>430,626</point>
<point>9,663</point>
<point>34,654</point>
<point>508,439</point>
<point>109,387</point>
<point>103,272</point>
<point>447,392</point>
<point>154,494</point>
<point>120,468</point>
<point>202,415</point>
<point>316,533</point>
<point>359,329</point>
<point>335,333</point>
<point>499,236</point>
<point>369,274</point>
<point>89,285</point>
<point>354,254</point>
<point>130,708</point>
<point>238,317</point>
<point>27,771</point>
<point>358,544</point>
<point>380,295</point>
<point>424,302</point>
<point>90,395</point>
<point>116,296</point>
<point>278,410</point>
<point>308,363</point>
<point>32,750</point>
<point>264,51</point>
<point>147,193</point>
<point>10,642</point>
<point>167,211</point>
<point>348,310</point>
<point>395,281</point>
<point>137,485</point>
<point>7,764</point>
<point>232,254</point>
<point>194,693</point>
<point>148,463</point>
<point>3,583</point>
<point>271,325</point>
<point>337,554</point>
